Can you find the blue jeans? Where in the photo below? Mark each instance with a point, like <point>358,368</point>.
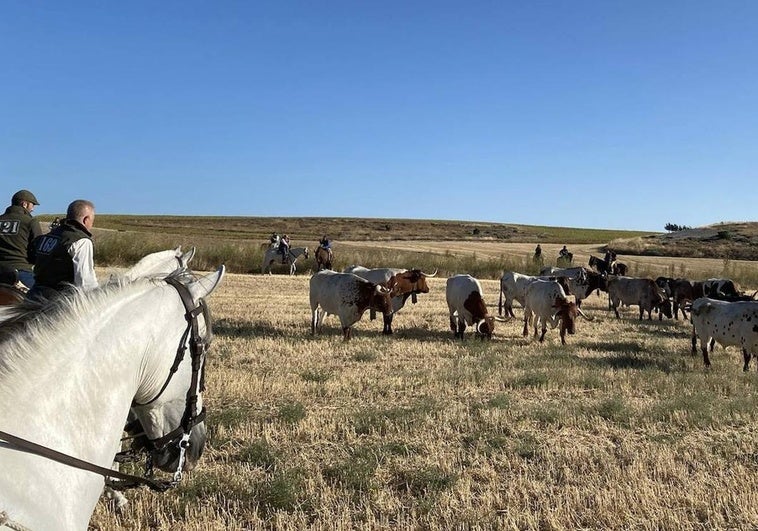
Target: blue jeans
<point>27,278</point>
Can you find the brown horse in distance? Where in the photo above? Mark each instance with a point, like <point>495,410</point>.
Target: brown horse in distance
<point>324,258</point>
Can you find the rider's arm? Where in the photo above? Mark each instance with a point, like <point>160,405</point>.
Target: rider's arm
<point>82,254</point>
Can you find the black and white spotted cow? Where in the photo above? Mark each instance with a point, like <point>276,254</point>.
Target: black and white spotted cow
<point>728,323</point>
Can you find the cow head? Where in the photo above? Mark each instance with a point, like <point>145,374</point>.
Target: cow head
<point>381,300</point>
<point>412,281</point>
<point>568,312</point>
<point>486,327</point>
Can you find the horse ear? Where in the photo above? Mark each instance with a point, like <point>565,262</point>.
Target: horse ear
<point>186,257</point>
<point>205,285</point>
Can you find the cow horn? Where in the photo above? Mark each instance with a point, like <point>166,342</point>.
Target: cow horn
<point>427,275</point>
<point>578,309</point>
<point>501,319</point>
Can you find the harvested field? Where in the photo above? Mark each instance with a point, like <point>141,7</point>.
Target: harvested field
<point>622,428</point>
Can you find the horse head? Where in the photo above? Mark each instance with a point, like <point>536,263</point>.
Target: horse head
<point>169,404</point>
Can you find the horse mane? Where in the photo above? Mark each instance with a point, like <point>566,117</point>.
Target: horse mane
<point>27,325</point>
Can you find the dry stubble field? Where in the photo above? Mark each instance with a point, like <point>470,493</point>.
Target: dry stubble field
<point>620,429</point>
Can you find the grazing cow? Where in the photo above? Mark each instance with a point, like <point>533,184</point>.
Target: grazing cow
<point>728,323</point>
<point>403,283</point>
<point>641,291</point>
<point>513,287</point>
<point>681,292</point>
<point>546,300</point>
<point>347,296</point>
<point>466,305</point>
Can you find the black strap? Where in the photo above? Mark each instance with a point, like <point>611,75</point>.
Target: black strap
<point>127,480</point>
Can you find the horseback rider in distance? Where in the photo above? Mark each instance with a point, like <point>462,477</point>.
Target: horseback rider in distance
<point>284,247</point>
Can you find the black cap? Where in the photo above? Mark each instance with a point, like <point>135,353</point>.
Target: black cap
<point>24,195</point>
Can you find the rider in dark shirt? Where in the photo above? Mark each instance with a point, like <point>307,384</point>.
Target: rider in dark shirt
<point>284,247</point>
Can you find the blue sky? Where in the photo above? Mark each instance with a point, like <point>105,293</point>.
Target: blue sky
<point>572,113</point>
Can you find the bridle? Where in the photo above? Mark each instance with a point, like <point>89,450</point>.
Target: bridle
<point>198,347</point>
<point>180,436</point>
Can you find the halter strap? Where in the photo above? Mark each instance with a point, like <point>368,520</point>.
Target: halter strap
<point>43,451</point>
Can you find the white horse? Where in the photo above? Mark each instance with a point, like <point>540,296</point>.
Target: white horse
<point>70,371</point>
<point>272,256</point>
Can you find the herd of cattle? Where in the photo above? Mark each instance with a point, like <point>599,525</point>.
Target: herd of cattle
<point>719,311</point>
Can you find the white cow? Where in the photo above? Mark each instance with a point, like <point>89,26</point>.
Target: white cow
<point>571,272</point>
<point>403,283</point>
<point>466,305</point>
<point>547,302</point>
<point>728,323</point>
<point>346,296</point>
<point>513,287</point>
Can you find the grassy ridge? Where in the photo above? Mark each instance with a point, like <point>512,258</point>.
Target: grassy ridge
<point>236,241</point>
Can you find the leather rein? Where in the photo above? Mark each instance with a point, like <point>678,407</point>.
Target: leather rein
<point>198,347</point>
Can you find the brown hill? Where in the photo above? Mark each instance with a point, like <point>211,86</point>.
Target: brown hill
<point>731,240</point>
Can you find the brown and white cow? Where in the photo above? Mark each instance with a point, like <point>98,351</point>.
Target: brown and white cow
<point>347,296</point>
<point>547,303</point>
<point>643,292</point>
<point>466,305</point>
<point>403,283</point>
<point>728,323</point>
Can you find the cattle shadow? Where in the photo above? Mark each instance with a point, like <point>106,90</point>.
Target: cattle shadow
<point>232,328</point>
<point>627,355</point>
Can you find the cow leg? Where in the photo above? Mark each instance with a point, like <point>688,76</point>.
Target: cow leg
<point>371,314</point>
<point>314,320</point>
<point>706,359</point>
<point>694,342</point>
<point>461,328</point>
<point>387,330</point>
<point>544,330</point>
<point>712,344</point>
<point>563,335</point>
<point>453,325</point>
<point>526,324</point>
<point>746,356</point>
<point>346,333</point>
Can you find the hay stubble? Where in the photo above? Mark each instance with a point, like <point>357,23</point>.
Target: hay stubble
<point>621,428</point>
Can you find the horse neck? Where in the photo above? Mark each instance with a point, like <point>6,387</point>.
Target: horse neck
<point>157,264</point>
<point>81,379</point>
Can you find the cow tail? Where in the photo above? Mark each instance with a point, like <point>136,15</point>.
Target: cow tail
<point>500,303</point>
